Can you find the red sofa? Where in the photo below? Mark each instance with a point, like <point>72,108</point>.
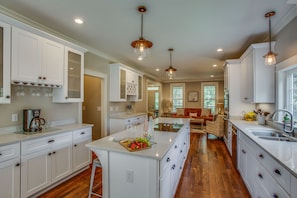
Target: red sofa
<point>193,113</point>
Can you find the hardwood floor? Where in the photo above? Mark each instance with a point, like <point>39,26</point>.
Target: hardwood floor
<point>208,173</point>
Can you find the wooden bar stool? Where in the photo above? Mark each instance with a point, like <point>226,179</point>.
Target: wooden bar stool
<point>96,164</point>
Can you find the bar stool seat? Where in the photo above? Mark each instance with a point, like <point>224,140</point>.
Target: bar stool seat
<point>96,164</point>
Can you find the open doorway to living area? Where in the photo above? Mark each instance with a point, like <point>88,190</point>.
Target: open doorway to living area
<point>153,98</point>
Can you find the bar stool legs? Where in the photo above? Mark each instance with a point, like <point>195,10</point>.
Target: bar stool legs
<point>96,164</point>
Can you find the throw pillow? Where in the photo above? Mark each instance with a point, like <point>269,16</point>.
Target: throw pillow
<point>193,115</point>
<point>180,112</point>
<point>205,112</point>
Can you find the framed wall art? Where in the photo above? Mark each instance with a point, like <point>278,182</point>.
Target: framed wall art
<point>193,96</point>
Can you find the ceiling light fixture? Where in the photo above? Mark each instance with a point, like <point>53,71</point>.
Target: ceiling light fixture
<point>170,72</point>
<point>141,46</point>
<point>219,50</point>
<point>270,57</point>
<point>78,21</point>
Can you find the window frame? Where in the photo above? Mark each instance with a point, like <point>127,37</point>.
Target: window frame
<point>172,85</point>
<point>216,84</point>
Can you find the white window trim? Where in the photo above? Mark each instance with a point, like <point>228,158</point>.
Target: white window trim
<point>216,84</point>
<point>184,91</point>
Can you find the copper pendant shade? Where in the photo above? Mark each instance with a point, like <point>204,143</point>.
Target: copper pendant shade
<point>141,46</point>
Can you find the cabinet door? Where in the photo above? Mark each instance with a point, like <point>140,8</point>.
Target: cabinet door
<point>25,64</point>
<point>53,62</point>
<point>242,160</point>
<point>5,31</point>
<point>10,178</point>
<point>61,163</point>
<point>165,190</point>
<point>81,155</point>
<point>140,88</point>
<point>123,84</point>
<point>247,78</point>
<point>72,90</point>
<point>35,172</point>
<point>293,186</point>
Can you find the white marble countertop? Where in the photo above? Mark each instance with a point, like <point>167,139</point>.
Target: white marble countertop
<point>10,138</point>
<point>127,115</point>
<point>282,151</point>
<point>162,141</point>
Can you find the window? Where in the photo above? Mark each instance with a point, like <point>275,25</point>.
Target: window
<point>177,93</point>
<point>209,96</point>
<point>291,92</point>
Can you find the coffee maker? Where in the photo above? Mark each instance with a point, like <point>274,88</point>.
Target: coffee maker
<point>32,121</point>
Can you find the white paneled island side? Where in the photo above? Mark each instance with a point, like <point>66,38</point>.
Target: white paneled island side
<point>149,173</point>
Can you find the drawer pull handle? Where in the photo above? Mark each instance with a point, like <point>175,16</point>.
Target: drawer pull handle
<point>173,167</point>
<point>275,195</point>
<point>261,156</point>
<point>0,154</point>
<point>277,172</point>
<point>168,159</point>
<point>181,151</point>
<point>18,164</point>
<point>260,175</point>
<point>75,145</point>
<point>175,146</point>
<point>50,141</point>
<point>243,151</point>
<point>82,133</point>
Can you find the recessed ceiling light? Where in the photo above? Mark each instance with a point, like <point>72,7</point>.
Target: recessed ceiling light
<point>211,76</point>
<point>157,69</point>
<point>214,65</point>
<point>78,21</point>
<point>219,50</point>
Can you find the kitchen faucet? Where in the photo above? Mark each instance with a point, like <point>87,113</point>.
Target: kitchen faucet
<point>284,122</point>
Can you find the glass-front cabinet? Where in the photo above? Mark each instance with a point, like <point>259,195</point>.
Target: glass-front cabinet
<point>5,32</point>
<point>72,90</point>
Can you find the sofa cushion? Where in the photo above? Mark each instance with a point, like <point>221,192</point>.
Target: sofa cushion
<point>205,112</point>
<point>193,115</point>
<point>180,112</point>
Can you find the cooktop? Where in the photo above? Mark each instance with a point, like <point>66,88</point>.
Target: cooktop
<point>167,127</point>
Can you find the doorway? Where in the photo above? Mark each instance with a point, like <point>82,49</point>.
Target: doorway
<point>153,99</point>
<point>91,106</point>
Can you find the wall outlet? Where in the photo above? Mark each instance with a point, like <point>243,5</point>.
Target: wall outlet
<point>129,176</point>
<point>14,117</point>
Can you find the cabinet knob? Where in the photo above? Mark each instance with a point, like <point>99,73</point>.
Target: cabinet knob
<point>181,151</point>
<point>261,156</point>
<point>66,97</point>
<point>0,154</point>
<point>173,166</point>
<point>243,151</point>
<point>50,154</point>
<point>44,78</point>
<point>245,98</point>
<point>7,97</point>
<point>168,159</point>
<point>260,175</point>
<point>175,146</point>
<point>50,141</point>
<point>275,195</point>
<point>75,145</point>
<point>39,77</point>
<point>54,152</point>
<point>17,164</point>
<point>277,172</point>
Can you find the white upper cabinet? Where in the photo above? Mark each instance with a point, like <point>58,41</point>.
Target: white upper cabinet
<point>5,32</point>
<point>36,60</point>
<point>72,90</point>
<point>257,79</point>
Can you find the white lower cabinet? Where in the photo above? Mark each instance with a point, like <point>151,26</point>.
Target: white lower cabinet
<point>43,167</point>
<point>10,171</point>
<point>81,154</point>
<point>120,124</point>
<point>262,174</point>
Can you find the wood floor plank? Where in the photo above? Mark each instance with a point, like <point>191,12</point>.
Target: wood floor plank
<point>208,173</point>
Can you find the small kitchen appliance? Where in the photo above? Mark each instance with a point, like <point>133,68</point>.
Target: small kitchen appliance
<point>32,121</point>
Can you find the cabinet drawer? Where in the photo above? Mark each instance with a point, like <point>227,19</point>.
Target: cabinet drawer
<point>253,147</point>
<point>38,144</point>
<point>82,134</point>
<point>277,171</point>
<point>8,152</point>
<point>269,184</point>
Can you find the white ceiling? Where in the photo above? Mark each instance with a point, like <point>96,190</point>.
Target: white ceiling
<point>194,28</point>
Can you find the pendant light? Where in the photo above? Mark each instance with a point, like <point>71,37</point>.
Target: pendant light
<point>270,57</point>
<point>141,46</point>
<point>170,72</point>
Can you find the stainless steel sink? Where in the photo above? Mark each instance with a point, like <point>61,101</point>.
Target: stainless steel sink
<point>273,135</point>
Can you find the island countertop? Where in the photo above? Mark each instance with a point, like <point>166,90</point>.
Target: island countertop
<point>161,141</point>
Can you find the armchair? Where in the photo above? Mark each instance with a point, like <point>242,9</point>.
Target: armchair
<point>215,127</point>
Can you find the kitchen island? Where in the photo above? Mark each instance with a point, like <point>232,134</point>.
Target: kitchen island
<point>149,173</point>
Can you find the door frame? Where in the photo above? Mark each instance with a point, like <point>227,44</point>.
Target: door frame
<point>103,99</point>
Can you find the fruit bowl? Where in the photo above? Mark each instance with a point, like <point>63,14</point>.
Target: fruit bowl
<point>135,144</point>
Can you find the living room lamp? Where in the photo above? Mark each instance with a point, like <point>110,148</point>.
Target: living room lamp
<point>141,46</point>
<point>270,57</point>
<point>170,72</point>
